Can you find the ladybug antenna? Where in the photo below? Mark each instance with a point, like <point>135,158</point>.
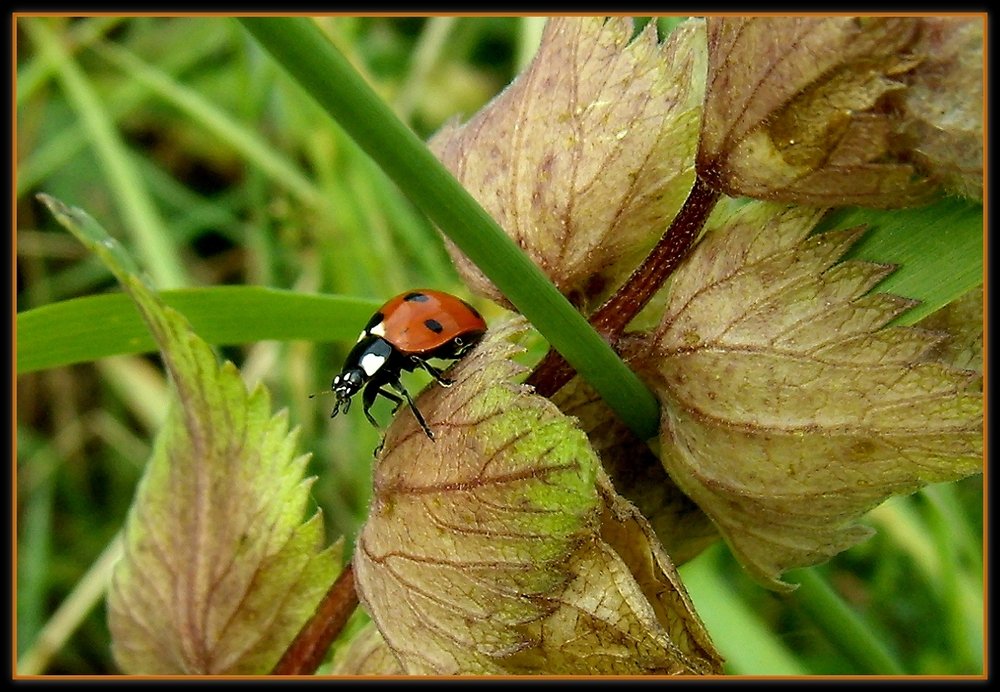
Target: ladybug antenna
<point>316,394</point>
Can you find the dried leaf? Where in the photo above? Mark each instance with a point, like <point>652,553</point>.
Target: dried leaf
<point>586,157</point>
<point>604,624</point>
<point>944,104</point>
<point>485,550</point>
<point>366,654</point>
<point>219,571</point>
<point>793,110</point>
<point>962,323</point>
<point>787,411</point>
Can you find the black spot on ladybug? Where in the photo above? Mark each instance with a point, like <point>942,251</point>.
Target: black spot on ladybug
<point>417,297</point>
<point>434,326</point>
<point>376,319</point>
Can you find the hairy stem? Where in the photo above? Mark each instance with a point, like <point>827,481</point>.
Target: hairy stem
<point>310,645</point>
<point>611,318</point>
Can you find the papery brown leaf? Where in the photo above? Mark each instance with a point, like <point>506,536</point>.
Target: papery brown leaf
<point>626,530</point>
<point>366,654</point>
<point>586,157</point>
<point>944,105</point>
<point>787,411</point>
<point>484,551</point>
<point>962,323</point>
<point>793,110</point>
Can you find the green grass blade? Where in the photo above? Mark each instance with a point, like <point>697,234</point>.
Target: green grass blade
<point>930,547</point>
<point>528,39</point>
<point>34,551</point>
<point>57,151</point>
<point>733,623</point>
<point>939,250</point>
<point>299,46</point>
<point>433,40</point>
<point>37,72</point>
<point>961,586</point>
<point>84,329</point>
<point>87,593</point>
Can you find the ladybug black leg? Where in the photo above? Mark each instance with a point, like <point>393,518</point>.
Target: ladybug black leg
<point>398,386</point>
<point>397,402</point>
<point>368,399</point>
<point>434,372</point>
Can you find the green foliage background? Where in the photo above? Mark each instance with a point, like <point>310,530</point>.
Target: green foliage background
<point>182,137</point>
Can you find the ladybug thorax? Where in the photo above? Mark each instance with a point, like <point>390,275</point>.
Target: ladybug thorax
<point>369,357</point>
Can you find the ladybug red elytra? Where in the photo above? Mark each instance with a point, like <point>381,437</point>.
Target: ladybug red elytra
<point>402,335</point>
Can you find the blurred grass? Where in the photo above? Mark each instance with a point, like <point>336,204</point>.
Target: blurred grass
<point>183,129</point>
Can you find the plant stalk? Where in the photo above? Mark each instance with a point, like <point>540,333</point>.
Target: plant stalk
<point>611,318</point>
<point>306,652</point>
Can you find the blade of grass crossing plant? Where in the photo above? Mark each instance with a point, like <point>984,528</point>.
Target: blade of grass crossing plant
<point>298,45</point>
<point>220,570</point>
<point>85,329</point>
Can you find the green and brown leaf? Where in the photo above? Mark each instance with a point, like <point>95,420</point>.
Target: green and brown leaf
<point>681,527</point>
<point>219,571</point>
<point>500,546</point>
<point>787,411</point>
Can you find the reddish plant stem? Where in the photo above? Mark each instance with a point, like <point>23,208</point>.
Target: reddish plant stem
<point>310,645</point>
<point>611,318</point>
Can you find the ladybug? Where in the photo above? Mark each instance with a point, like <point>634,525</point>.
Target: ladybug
<point>402,335</point>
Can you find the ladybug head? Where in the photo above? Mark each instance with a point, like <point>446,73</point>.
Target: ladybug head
<point>345,385</point>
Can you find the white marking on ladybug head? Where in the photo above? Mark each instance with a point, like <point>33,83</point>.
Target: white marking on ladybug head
<point>371,363</point>
<point>378,330</point>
